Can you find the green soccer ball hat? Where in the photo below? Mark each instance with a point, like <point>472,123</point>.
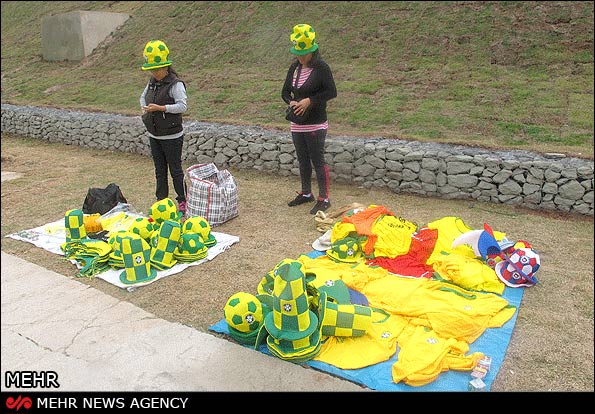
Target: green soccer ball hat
<point>143,227</point>
<point>243,312</point>
<point>303,39</point>
<point>164,210</point>
<point>156,55</point>
<point>190,243</point>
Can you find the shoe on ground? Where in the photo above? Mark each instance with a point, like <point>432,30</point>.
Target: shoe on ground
<point>182,208</point>
<point>300,199</point>
<point>320,205</point>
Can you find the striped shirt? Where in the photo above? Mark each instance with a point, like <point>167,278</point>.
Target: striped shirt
<point>304,74</point>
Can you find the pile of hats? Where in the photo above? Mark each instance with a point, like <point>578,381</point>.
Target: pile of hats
<point>92,255</point>
<point>145,246</point>
<point>292,330</point>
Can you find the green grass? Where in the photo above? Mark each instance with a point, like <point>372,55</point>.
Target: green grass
<point>496,74</point>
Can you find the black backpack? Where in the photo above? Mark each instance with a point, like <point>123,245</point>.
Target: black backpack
<point>102,200</point>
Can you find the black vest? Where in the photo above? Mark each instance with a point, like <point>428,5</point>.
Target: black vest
<point>162,123</point>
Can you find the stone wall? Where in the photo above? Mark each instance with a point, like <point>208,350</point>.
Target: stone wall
<point>544,182</point>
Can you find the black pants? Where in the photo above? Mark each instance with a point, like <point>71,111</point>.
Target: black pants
<point>309,147</point>
<point>167,153</point>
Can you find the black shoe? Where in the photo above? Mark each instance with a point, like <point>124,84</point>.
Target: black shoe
<point>321,205</point>
<point>300,199</point>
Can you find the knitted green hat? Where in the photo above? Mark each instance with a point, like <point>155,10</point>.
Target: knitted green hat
<point>164,246</point>
<point>136,253</point>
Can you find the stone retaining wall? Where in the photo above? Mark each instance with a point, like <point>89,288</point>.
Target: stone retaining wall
<point>545,182</point>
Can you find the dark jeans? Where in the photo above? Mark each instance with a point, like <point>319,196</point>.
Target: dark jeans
<point>167,153</point>
<point>309,147</point>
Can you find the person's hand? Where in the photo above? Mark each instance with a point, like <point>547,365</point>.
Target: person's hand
<point>154,108</point>
<point>301,106</point>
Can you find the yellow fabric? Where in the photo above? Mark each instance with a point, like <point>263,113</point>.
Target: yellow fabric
<point>468,273</point>
<point>449,228</point>
<point>448,309</point>
<point>394,236</point>
<point>377,345</point>
<point>423,355</point>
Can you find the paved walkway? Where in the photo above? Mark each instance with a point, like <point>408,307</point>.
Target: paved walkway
<point>95,342</point>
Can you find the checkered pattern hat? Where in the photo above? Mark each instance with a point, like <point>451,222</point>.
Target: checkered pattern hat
<point>136,253</point>
<point>74,225</point>
<point>291,317</point>
<point>165,244</point>
<point>346,320</point>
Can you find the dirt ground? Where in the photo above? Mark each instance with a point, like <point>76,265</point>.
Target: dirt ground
<point>551,348</point>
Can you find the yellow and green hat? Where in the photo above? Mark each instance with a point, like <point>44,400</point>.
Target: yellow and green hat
<point>162,210</point>
<point>165,244</point>
<point>143,227</point>
<point>291,317</point>
<point>156,55</point>
<point>248,337</point>
<point>303,39</point>
<point>190,248</point>
<point>346,250</point>
<point>115,241</point>
<point>74,225</point>
<point>346,320</point>
<point>300,349</point>
<point>199,225</point>
<point>136,254</point>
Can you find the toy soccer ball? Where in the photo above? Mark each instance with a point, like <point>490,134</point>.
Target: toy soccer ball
<point>163,210</point>
<point>243,312</point>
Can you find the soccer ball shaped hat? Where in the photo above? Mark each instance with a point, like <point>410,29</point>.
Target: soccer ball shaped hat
<point>164,210</point>
<point>303,39</point>
<point>143,227</point>
<point>518,269</point>
<point>200,225</point>
<point>156,55</point>
<point>190,248</point>
<point>243,312</point>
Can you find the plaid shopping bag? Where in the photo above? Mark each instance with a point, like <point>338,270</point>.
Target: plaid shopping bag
<point>212,194</point>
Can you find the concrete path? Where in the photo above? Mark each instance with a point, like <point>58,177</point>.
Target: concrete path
<point>94,342</point>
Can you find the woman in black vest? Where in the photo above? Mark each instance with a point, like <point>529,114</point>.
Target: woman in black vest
<point>163,102</point>
<point>309,84</point>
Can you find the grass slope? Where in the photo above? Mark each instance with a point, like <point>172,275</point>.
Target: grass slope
<point>493,74</point>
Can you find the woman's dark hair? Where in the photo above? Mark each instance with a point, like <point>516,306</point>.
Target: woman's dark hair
<point>170,69</point>
<point>315,58</point>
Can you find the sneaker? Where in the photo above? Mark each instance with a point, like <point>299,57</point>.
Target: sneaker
<point>300,199</point>
<point>321,205</point>
<point>182,208</point>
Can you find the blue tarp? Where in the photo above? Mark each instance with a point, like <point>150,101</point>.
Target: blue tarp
<point>493,342</point>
